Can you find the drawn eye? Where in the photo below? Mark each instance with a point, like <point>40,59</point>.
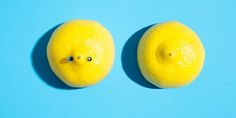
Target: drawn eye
<point>70,59</point>
<point>89,58</point>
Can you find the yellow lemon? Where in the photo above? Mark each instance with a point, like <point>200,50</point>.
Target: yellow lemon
<point>170,55</point>
<point>81,52</point>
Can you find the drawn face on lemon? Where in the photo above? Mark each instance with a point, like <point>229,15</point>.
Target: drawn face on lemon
<point>170,55</point>
<point>81,52</point>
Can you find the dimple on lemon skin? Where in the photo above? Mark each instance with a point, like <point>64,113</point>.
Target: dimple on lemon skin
<point>170,55</point>
<point>81,52</point>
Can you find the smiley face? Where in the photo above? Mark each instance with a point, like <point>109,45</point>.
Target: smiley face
<point>81,52</point>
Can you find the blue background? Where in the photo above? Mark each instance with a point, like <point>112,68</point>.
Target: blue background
<point>30,90</point>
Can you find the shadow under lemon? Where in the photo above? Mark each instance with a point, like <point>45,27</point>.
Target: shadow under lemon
<point>40,62</point>
<point>129,59</point>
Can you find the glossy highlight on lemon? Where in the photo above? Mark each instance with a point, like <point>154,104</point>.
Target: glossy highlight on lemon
<point>170,55</point>
<point>81,52</point>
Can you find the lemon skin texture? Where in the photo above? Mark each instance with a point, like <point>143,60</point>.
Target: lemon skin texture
<point>81,52</point>
<point>170,55</point>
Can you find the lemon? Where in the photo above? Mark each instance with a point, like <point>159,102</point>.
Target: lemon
<point>170,55</point>
<point>81,52</point>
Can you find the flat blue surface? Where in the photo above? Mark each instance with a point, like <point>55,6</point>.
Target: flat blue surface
<point>30,90</point>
